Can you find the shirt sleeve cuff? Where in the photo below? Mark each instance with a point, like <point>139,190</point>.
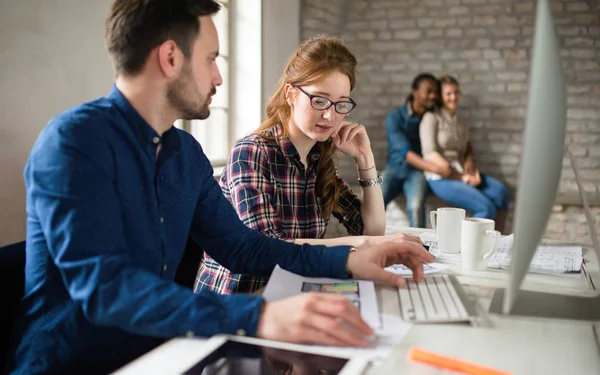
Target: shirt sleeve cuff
<point>337,257</point>
<point>240,314</point>
<point>403,152</point>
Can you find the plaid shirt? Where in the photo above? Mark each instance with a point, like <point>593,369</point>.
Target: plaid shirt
<point>267,184</point>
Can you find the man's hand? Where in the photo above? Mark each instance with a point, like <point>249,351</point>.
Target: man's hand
<point>315,318</point>
<point>369,262</point>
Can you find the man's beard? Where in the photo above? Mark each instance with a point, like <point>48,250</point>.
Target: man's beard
<point>182,99</point>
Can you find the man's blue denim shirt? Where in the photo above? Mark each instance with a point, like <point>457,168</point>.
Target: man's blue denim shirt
<point>107,223</point>
<point>402,127</point>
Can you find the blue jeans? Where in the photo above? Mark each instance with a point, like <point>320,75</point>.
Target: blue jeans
<point>414,186</point>
<point>483,200</point>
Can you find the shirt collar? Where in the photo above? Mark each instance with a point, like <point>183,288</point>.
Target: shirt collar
<point>287,147</point>
<point>144,132</point>
<point>409,110</point>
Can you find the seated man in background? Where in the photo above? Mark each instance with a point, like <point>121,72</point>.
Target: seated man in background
<point>114,191</point>
<point>405,164</point>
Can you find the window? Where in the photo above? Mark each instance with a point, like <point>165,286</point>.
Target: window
<point>245,35</point>
<point>214,133</point>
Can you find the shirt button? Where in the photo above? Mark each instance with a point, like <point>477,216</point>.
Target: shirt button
<point>156,140</point>
<point>241,332</point>
<point>165,267</point>
<point>189,334</point>
<point>162,220</point>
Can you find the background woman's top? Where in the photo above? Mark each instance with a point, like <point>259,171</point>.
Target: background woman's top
<point>274,193</point>
<point>448,135</point>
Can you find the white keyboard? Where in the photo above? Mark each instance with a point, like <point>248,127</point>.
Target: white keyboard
<point>437,299</point>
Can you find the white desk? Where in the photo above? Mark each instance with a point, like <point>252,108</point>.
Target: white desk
<point>520,345</point>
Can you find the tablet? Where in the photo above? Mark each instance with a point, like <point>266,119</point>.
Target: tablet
<point>234,357</point>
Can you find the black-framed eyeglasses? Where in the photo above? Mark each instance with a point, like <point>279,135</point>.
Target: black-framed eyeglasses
<point>321,104</point>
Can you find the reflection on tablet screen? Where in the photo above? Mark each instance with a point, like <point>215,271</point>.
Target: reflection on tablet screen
<point>239,358</point>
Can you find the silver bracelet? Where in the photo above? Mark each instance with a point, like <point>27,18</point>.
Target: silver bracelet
<point>372,182</point>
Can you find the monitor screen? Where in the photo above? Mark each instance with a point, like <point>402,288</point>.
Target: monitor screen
<point>242,358</point>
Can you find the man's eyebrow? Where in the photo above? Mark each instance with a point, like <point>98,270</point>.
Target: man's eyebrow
<point>214,54</point>
<point>321,93</point>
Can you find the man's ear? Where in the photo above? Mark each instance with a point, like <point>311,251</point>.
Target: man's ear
<point>170,59</point>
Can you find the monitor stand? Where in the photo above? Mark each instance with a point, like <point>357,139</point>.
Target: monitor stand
<point>546,305</point>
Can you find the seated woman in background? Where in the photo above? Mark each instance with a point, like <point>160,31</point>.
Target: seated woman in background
<point>282,180</point>
<point>445,141</point>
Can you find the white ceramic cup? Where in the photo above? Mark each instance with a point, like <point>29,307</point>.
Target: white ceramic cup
<point>479,241</point>
<point>447,222</point>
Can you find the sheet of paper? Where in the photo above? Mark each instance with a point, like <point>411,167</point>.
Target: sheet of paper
<point>548,259</point>
<point>428,268</point>
<point>381,346</point>
<point>361,293</point>
<point>430,239</point>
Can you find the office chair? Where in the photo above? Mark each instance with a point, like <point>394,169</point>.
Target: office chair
<point>188,267</point>
<point>12,288</point>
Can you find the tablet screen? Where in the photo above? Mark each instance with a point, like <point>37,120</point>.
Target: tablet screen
<point>241,358</point>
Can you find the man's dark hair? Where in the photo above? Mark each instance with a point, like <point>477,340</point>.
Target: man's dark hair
<point>417,82</point>
<point>135,27</point>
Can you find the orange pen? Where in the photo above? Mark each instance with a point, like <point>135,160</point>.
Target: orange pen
<point>449,363</point>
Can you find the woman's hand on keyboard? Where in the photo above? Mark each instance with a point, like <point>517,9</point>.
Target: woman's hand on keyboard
<point>394,238</point>
<point>369,262</point>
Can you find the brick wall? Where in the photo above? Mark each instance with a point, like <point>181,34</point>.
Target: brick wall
<point>486,45</point>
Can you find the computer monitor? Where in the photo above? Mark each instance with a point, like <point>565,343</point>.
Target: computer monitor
<point>541,166</point>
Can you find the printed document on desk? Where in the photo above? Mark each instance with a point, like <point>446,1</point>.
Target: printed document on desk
<point>389,329</point>
<point>361,293</point>
<point>430,239</point>
<point>428,268</point>
<point>548,259</point>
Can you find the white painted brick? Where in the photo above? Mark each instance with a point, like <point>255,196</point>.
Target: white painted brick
<point>470,54</point>
<point>425,22</point>
<point>478,65</point>
<point>484,21</point>
<point>448,55</point>
<point>384,35</point>
<point>508,21</point>
<point>403,24</point>
<point>475,31</point>
<point>456,66</point>
<point>577,6</point>
<point>458,11</point>
<point>465,21</point>
<point>408,34</point>
<point>580,53</point>
<point>517,77</point>
<point>525,7</point>
<point>483,43</point>
<point>514,53</point>
<point>505,43</point>
<point>454,32</point>
<point>444,22</point>
<point>365,35</point>
<point>496,87</point>
<point>490,54</point>
<point>583,42</point>
<point>435,33</point>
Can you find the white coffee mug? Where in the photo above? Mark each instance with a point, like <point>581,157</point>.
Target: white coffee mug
<point>447,222</point>
<point>479,241</point>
